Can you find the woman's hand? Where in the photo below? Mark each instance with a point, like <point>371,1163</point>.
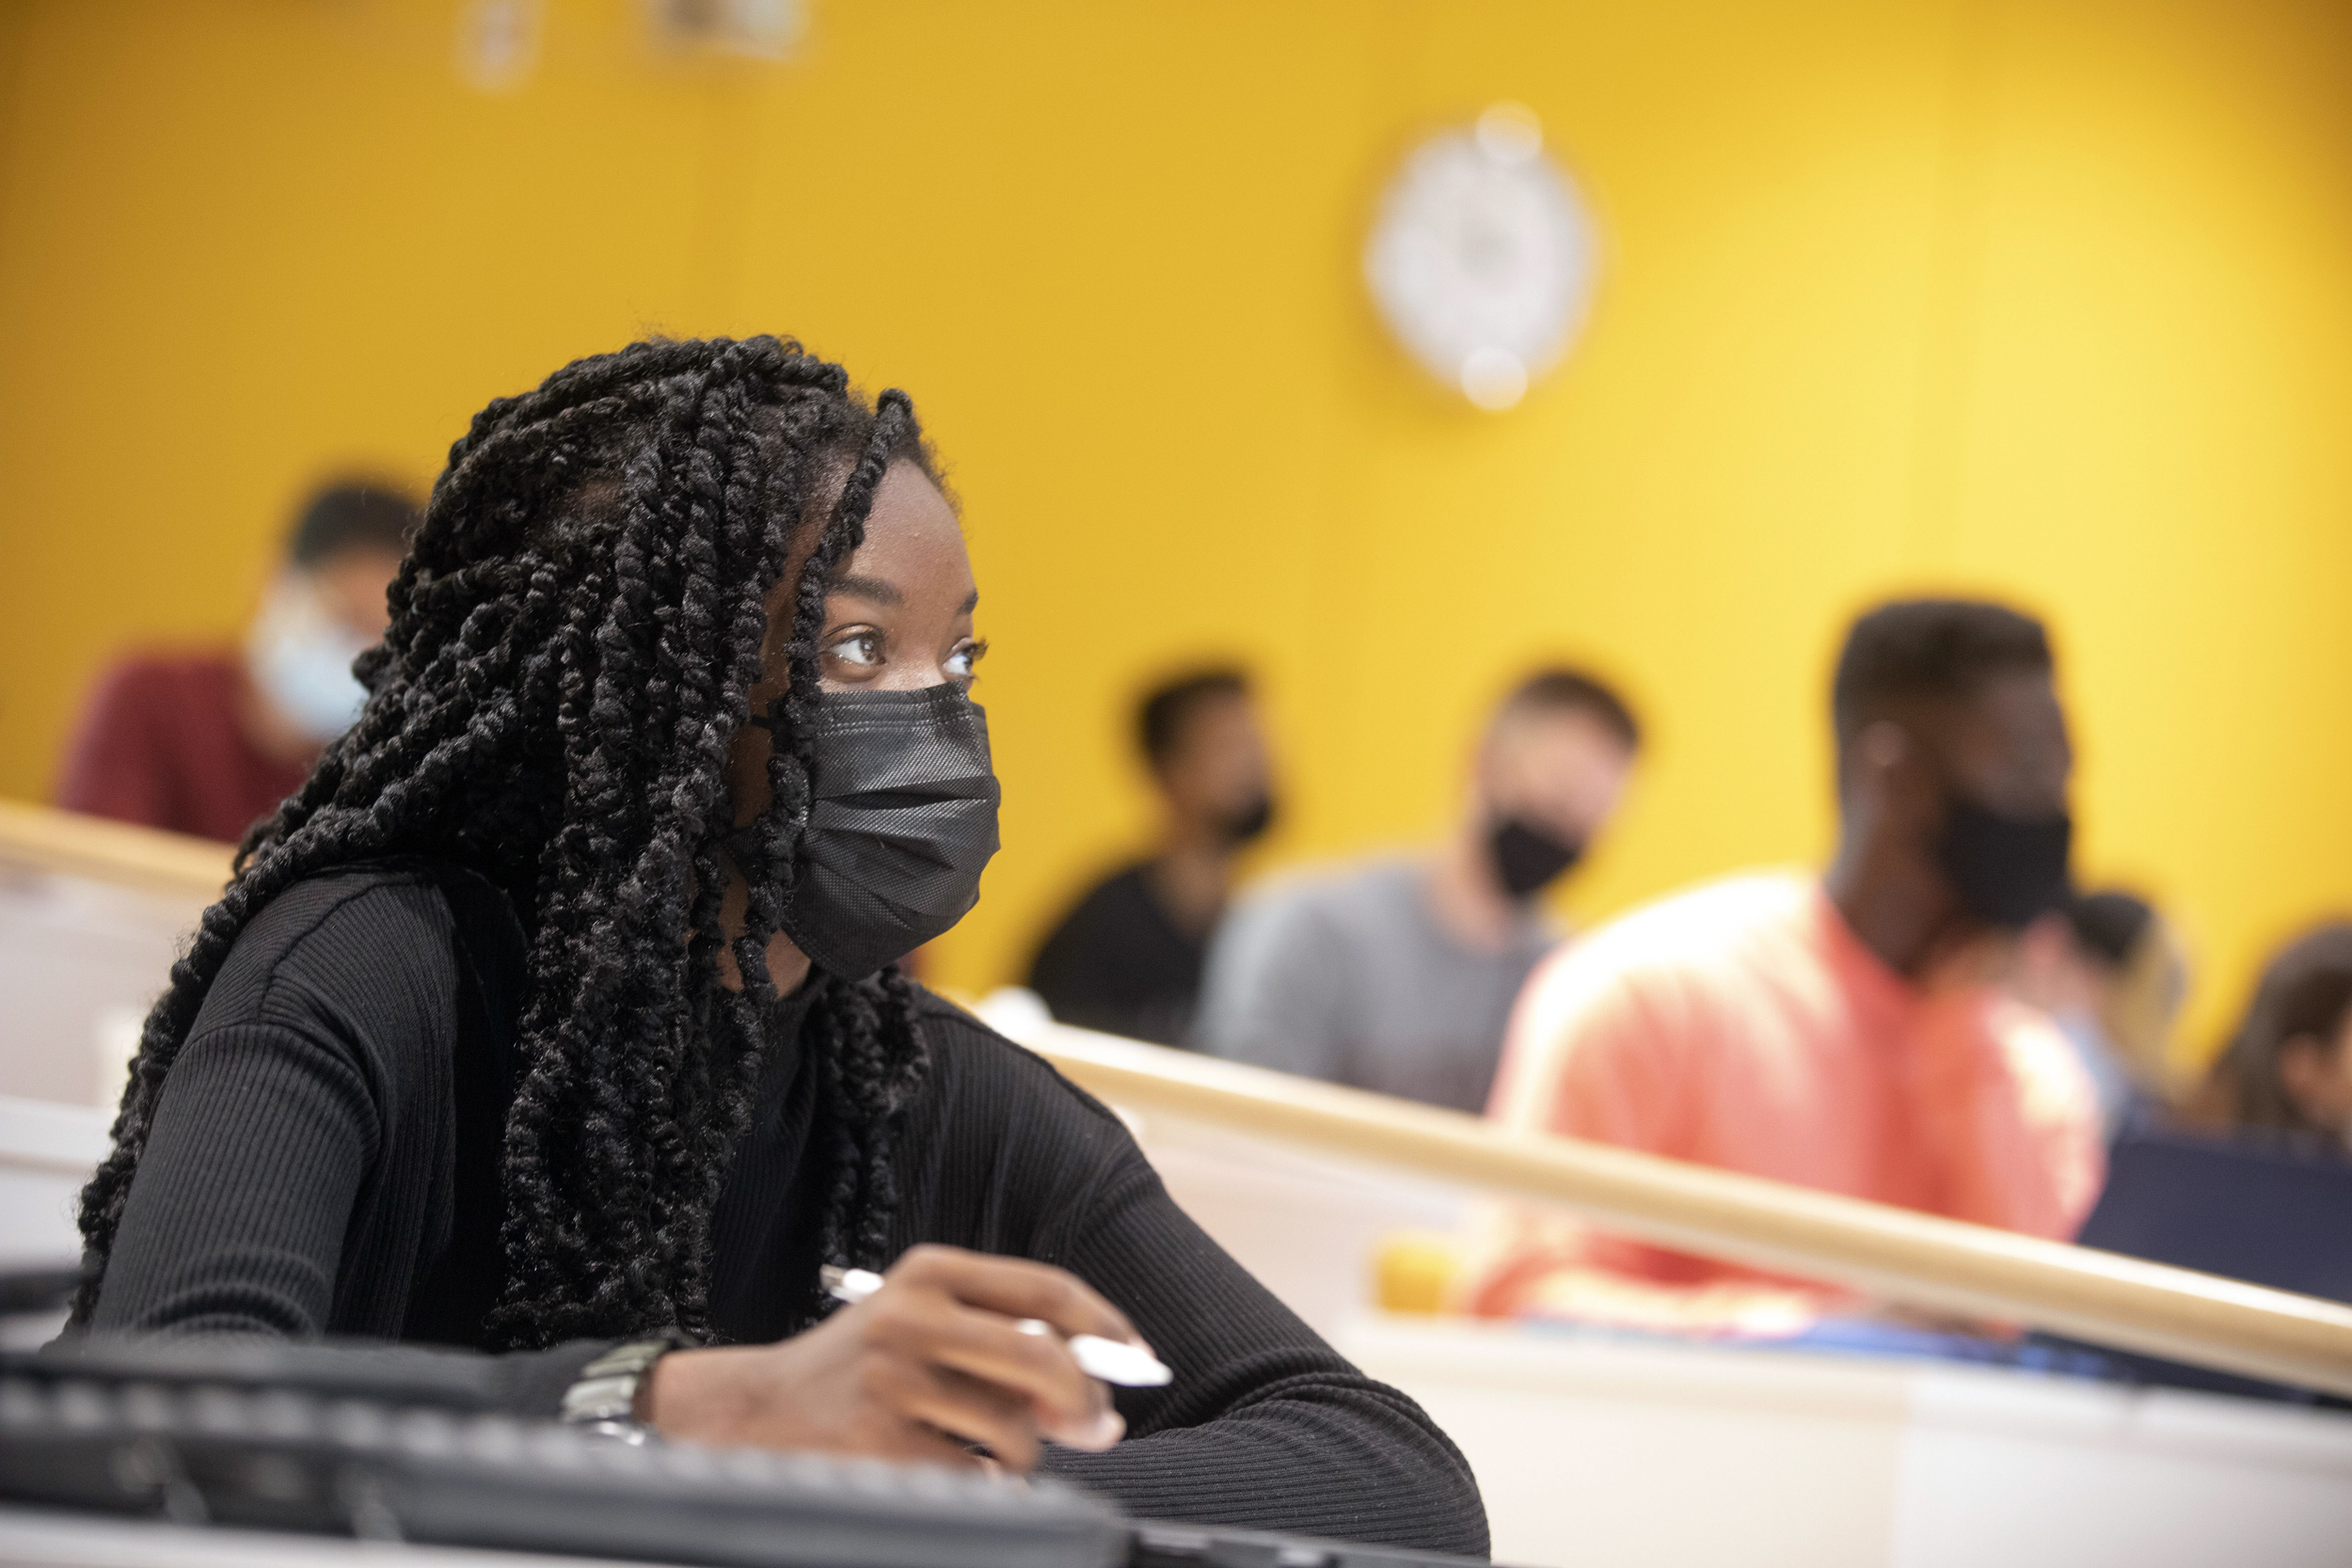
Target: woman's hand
<point>931,1358</point>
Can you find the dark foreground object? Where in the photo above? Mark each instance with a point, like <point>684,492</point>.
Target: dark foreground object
<point>380,1446</point>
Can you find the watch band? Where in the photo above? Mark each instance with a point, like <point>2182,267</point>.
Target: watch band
<point>604,1396</point>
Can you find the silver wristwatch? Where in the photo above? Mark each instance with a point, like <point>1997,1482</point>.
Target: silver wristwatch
<point>603,1398</point>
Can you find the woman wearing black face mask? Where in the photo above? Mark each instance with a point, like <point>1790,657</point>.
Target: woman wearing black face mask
<point>554,1015</point>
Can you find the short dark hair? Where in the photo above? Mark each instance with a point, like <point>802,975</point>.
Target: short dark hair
<point>352,515</point>
<point>1913,651</point>
<point>1160,716</point>
<point>1560,690</point>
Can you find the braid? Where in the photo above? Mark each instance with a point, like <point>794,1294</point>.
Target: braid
<point>575,635</point>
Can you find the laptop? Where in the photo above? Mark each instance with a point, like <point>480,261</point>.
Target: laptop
<point>2269,1215</point>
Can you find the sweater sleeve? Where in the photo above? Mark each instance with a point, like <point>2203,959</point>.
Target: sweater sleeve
<point>288,1112</point>
<point>235,1219</point>
<point>284,1110</point>
<point>1265,1426</point>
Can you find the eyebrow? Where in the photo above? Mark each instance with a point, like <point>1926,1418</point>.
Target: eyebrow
<point>867,588</point>
<point>887,592</point>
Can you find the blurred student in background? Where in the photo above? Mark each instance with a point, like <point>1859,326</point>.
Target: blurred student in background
<point>2286,1074</point>
<point>1397,973</point>
<point>205,743</point>
<point>1127,957</point>
<point>2111,973</point>
<point>1839,1032</point>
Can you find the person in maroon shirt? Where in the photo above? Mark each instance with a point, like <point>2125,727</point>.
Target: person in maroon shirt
<point>206,743</point>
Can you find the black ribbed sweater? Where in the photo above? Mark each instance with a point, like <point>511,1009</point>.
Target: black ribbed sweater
<point>318,1166</point>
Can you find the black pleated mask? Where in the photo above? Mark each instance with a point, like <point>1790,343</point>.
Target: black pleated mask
<point>1527,859</point>
<point>2007,871</point>
<point>902,821</point>
<point>1247,822</point>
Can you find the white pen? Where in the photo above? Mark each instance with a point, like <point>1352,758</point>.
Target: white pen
<point>1112,1360</point>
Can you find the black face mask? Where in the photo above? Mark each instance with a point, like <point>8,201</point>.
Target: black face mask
<point>2008,870</point>
<point>1527,859</point>
<point>1250,821</point>
<point>902,822</point>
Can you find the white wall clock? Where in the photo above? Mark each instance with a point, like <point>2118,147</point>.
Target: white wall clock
<point>1482,258</point>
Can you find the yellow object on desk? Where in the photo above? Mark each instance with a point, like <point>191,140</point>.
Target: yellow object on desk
<point>1414,1271</point>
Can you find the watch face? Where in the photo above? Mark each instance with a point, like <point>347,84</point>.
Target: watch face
<point>1481,260</point>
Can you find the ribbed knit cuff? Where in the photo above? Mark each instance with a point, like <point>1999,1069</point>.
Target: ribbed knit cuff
<point>531,1383</point>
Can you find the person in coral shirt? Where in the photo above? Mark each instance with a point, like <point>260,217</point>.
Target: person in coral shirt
<point>1841,1033</point>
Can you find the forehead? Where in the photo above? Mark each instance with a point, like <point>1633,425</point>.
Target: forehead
<point>355,561</point>
<point>1213,718</point>
<point>1555,730</point>
<point>909,514</point>
<point>913,540</point>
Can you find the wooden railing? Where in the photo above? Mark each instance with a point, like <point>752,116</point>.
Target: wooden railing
<point>116,852</point>
<point>1897,1254</point>
<point>1889,1252</point>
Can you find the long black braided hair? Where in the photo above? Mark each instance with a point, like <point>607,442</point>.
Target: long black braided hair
<point>575,637</point>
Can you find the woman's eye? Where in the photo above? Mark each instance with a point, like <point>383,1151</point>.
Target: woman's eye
<point>861,648</point>
<point>960,665</point>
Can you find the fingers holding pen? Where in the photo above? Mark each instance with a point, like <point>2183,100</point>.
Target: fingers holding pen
<point>922,1320</point>
<point>1016,1288</point>
<point>964,1408</point>
<point>951,1347</point>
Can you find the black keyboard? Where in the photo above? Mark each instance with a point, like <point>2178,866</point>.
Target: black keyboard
<point>208,1453</point>
<point>1158,1546</point>
<point>392,1444</point>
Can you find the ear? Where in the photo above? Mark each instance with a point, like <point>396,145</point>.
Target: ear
<point>1485,764</point>
<point>1875,764</point>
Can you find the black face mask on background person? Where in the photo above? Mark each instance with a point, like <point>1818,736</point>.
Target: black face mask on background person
<point>1527,859</point>
<point>902,822</point>
<point>2007,871</point>
<point>1238,827</point>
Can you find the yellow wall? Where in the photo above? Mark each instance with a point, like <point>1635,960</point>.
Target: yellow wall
<point>2052,299</point>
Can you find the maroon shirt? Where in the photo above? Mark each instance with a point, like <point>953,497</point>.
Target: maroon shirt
<point>162,744</point>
